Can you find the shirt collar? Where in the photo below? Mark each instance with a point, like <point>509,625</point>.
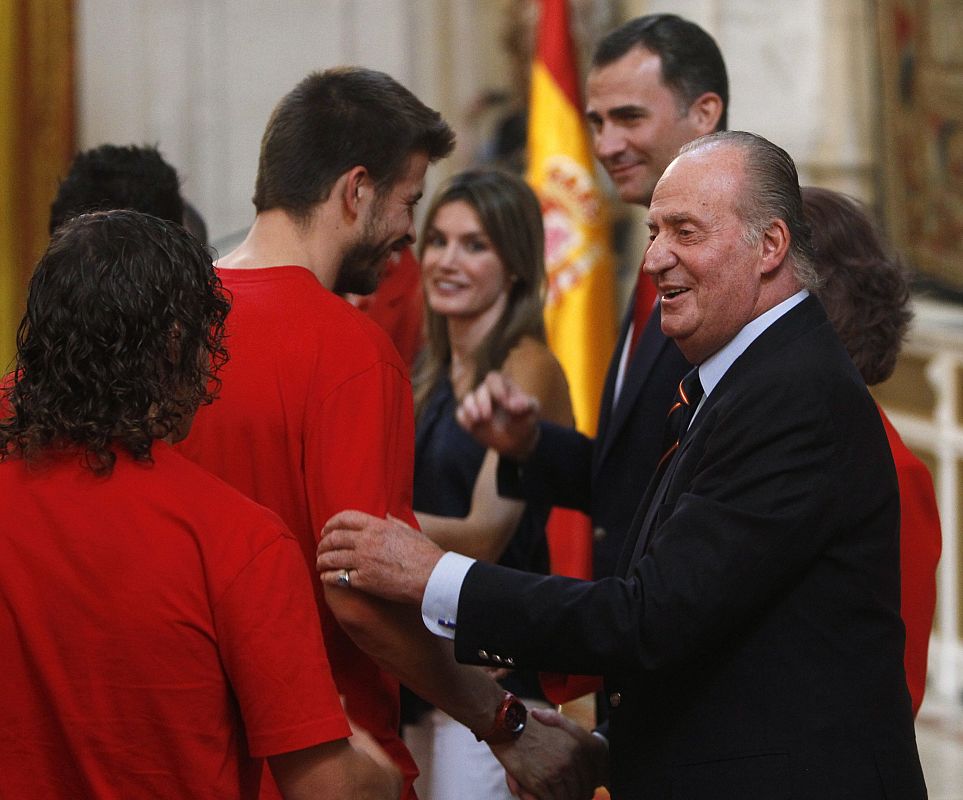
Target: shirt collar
<point>715,366</point>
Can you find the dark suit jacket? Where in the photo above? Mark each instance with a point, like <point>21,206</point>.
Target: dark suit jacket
<point>752,646</point>
<point>605,477</point>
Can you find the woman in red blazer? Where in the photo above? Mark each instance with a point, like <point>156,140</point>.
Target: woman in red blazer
<point>866,295</point>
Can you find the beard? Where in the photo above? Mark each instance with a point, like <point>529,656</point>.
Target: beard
<point>364,262</point>
<point>361,268</point>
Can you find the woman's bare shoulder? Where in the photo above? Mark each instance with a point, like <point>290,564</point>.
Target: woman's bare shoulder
<point>537,371</point>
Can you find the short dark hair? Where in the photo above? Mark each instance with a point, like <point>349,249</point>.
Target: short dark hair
<point>865,289</point>
<point>121,340</point>
<point>335,120</point>
<point>109,177</point>
<point>691,61</point>
<point>772,192</point>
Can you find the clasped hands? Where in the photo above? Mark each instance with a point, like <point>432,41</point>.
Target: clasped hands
<point>554,758</point>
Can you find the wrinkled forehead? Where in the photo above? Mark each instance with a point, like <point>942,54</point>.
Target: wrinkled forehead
<point>708,176</point>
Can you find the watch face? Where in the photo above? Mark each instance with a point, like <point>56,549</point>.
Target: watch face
<point>509,721</point>
<point>515,716</point>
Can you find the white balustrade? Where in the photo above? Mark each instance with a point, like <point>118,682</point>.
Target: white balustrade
<point>937,340</point>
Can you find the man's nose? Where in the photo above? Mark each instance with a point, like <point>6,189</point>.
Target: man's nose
<point>658,256</point>
<point>607,141</point>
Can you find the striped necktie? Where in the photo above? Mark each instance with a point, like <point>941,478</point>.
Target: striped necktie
<point>677,421</point>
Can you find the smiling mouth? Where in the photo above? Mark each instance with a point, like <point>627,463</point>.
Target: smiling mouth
<point>673,293</point>
<point>619,169</point>
<point>448,286</point>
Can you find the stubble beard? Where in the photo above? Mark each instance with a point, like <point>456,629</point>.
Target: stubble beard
<point>363,263</point>
<point>361,269</point>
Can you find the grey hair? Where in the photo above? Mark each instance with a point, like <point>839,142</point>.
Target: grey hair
<point>773,193</point>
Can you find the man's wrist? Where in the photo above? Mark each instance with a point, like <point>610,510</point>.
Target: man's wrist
<point>439,606</point>
<point>511,717</point>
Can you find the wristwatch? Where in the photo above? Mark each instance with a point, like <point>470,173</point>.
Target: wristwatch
<point>509,722</point>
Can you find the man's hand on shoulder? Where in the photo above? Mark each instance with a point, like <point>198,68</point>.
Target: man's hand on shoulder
<point>501,416</point>
<point>383,557</point>
<point>554,759</point>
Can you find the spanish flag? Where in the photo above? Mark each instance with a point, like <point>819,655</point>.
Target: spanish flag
<point>580,316</point>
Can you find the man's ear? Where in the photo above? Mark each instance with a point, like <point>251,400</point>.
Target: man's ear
<point>705,112</point>
<point>355,185</point>
<point>775,245</point>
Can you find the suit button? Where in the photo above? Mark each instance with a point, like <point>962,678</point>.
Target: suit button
<point>615,699</point>
<point>483,654</point>
<point>497,659</point>
<point>599,533</point>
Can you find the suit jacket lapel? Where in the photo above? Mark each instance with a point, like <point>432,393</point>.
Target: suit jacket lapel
<point>608,392</point>
<point>650,347</point>
<point>805,316</point>
<point>655,495</point>
<point>639,529</point>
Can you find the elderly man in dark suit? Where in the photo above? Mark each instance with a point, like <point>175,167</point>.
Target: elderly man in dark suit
<point>751,642</point>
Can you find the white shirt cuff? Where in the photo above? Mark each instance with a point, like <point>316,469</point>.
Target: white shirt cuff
<point>439,606</point>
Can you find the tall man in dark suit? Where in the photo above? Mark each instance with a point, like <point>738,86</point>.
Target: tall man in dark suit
<point>751,642</point>
<point>656,82</point>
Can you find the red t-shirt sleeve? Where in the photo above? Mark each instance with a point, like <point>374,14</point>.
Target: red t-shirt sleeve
<point>360,455</point>
<point>271,647</point>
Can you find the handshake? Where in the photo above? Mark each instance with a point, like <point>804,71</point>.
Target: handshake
<point>550,757</point>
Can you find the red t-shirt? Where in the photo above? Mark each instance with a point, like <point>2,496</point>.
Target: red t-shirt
<point>155,634</point>
<point>314,416</point>
<point>919,550</point>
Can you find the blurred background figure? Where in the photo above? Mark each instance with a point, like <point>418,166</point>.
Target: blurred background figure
<point>497,119</point>
<point>483,272</point>
<point>865,291</point>
<point>110,176</point>
<point>195,223</point>
<point>132,177</point>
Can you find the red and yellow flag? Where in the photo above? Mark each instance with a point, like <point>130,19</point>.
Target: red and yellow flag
<point>580,304</point>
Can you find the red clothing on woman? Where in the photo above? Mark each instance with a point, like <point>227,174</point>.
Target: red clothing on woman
<point>919,544</point>
<point>397,304</point>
